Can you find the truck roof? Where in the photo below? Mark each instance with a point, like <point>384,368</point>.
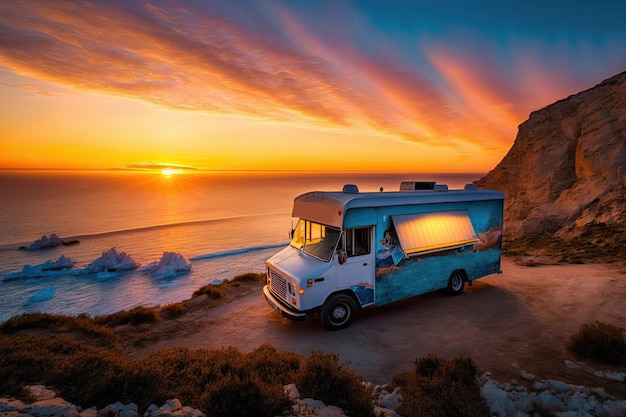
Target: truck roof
<point>329,207</point>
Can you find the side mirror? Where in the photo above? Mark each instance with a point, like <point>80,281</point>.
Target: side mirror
<point>341,257</point>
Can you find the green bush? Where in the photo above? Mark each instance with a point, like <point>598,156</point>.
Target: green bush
<point>440,388</point>
<point>600,341</point>
<point>322,377</point>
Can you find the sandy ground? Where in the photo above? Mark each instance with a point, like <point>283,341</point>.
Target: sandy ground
<point>523,316</point>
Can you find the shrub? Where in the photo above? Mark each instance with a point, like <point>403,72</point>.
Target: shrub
<point>322,377</point>
<point>222,382</point>
<point>218,382</point>
<point>134,316</point>
<point>243,394</point>
<point>600,341</point>
<point>249,277</point>
<point>273,366</point>
<point>80,372</point>
<point>82,326</point>
<point>210,290</point>
<point>174,310</point>
<point>31,321</point>
<point>440,388</point>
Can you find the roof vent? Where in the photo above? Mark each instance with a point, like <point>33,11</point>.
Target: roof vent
<point>441,187</point>
<point>350,189</point>
<point>417,185</point>
<point>471,187</point>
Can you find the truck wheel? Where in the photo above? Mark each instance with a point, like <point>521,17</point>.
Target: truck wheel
<point>337,311</point>
<point>456,283</point>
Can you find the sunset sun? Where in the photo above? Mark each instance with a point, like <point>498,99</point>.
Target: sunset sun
<point>168,172</point>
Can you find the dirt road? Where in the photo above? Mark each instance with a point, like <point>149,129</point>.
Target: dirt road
<point>523,316</point>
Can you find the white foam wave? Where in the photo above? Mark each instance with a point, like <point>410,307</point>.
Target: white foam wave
<point>232,252</point>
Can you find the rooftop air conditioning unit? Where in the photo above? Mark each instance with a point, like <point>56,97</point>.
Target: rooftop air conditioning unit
<point>417,185</point>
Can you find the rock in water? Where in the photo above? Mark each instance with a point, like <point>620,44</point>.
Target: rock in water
<point>565,175</point>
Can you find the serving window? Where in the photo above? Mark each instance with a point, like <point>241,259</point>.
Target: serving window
<point>432,232</point>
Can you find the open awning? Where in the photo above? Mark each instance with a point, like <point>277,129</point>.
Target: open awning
<point>431,232</point>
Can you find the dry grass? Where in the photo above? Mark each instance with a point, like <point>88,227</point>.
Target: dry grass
<point>441,388</point>
<point>595,243</point>
<point>600,341</point>
<point>224,382</point>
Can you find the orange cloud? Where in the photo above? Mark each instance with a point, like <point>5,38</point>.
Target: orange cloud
<point>265,62</point>
<point>475,105</point>
<point>173,59</point>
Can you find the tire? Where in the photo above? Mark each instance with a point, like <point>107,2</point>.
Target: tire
<point>456,283</point>
<point>338,311</point>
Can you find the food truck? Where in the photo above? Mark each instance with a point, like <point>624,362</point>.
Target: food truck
<point>351,249</point>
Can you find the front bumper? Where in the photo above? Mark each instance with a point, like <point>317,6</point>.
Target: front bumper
<point>284,310</point>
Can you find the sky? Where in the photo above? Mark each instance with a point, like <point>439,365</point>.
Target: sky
<point>328,85</point>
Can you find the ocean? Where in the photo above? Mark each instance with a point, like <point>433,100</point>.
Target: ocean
<point>222,223</point>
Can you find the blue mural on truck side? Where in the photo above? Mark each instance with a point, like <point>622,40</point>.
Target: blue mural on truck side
<point>421,274</point>
<point>399,276</point>
<point>364,292</point>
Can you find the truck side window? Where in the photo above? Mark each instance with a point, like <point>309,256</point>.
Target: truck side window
<point>358,241</point>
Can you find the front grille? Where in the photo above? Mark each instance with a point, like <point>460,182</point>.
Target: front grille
<point>278,284</point>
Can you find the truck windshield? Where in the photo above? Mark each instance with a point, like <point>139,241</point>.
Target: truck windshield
<point>315,239</point>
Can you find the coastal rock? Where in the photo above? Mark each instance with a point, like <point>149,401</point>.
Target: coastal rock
<point>52,407</point>
<point>48,242</point>
<point>119,410</point>
<point>565,175</point>
<point>513,399</point>
<point>309,407</point>
<point>172,408</point>
<point>111,262</point>
<point>170,265</point>
<point>504,399</point>
<point>46,269</point>
<point>44,243</point>
<point>47,404</point>
<point>40,392</point>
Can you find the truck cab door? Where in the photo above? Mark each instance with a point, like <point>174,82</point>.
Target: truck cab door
<point>358,264</point>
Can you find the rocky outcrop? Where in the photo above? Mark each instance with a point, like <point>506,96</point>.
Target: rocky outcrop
<point>515,398</point>
<point>565,175</point>
<point>47,404</point>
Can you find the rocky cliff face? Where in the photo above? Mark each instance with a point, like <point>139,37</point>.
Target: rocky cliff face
<point>565,176</point>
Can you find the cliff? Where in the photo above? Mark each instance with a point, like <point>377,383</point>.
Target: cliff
<point>564,178</point>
